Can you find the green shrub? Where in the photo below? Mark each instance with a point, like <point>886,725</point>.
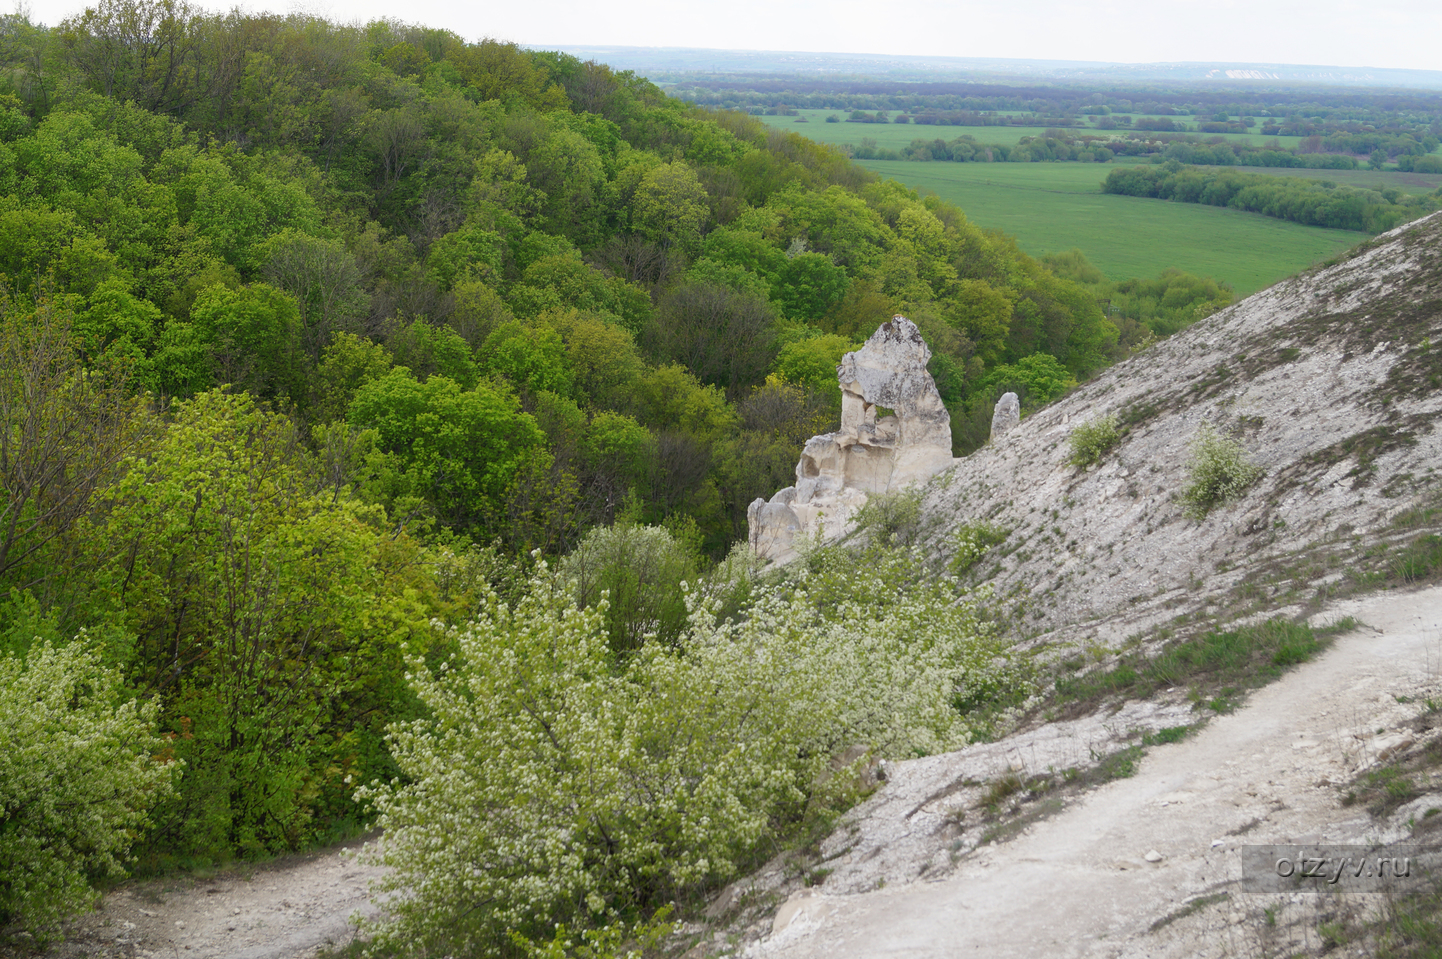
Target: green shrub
<point>77,775</point>
<point>972,541</point>
<point>639,569</point>
<point>1220,472</point>
<point>548,784</point>
<point>1093,438</point>
<point>891,518</point>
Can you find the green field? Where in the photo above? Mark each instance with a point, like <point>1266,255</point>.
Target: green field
<point>1051,207</point>
<point>894,136</point>
<point>1254,138</point>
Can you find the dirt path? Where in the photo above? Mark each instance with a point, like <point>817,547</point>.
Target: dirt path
<point>1080,883</point>
<point>287,909</point>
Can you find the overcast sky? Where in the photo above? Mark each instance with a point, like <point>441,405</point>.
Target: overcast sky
<point>1374,33</point>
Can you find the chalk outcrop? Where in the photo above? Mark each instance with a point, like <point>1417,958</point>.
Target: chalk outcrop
<point>1005,415</point>
<point>870,453</point>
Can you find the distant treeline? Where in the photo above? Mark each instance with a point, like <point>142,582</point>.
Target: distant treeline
<point>1062,145</point>
<point>961,118</point>
<point>1257,101</point>
<point>1417,142</point>
<point>1226,154</point>
<point>1315,203</point>
<point>1273,112</point>
<point>966,149</point>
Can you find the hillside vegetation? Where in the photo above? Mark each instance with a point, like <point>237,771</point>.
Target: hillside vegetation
<point>320,342</point>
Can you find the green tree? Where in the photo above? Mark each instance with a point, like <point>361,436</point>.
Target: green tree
<point>471,253</point>
<point>533,359</point>
<point>812,363</point>
<point>570,174</point>
<point>602,357</point>
<point>727,339</point>
<point>459,449</point>
<point>670,206</point>
<point>1040,378</point>
<point>428,351</point>
<point>809,286</point>
<point>325,280</point>
<point>116,322</point>
<point>639,571</point>
<point>349,363</point>
<point>619,456</point>
<point>254,337</point>
<point>983,312</point>
<point>148,51</point>
<point>748,249</point>
<point>265,622</point>
<point>39,244</point>
<point>64,433</point>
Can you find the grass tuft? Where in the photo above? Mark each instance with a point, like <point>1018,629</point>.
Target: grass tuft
<point>1420,560</point>
<point>1216,666</point>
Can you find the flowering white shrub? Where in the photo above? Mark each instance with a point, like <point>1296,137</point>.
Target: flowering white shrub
<point>550,785</point>
<point>76,778</point>
<point>1220,472</point>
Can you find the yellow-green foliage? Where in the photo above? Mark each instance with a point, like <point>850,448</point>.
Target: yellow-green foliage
<point>620,940</point>
<point>268,618</point>
<point>77,775</point>
<point>1092,439</point>
<point>547,784</point>
<point>1220,471</point>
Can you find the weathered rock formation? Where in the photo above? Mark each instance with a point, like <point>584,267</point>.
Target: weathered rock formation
<point>1006,415</point>
<point>870,453</point>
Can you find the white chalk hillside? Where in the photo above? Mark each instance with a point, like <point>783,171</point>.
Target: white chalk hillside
<point>1332,383</point>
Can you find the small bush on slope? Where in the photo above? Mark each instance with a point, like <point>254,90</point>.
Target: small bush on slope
<point>1220,472</point>
<point>891,518</point>
<point>550,784</point>
<point>972,540</point>
<point>76,778</point>
<point>1092,439</point>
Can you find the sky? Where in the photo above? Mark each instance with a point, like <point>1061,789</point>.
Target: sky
<point>1356,33</point>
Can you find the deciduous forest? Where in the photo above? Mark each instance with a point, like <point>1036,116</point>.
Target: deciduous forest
<point>321,340</point>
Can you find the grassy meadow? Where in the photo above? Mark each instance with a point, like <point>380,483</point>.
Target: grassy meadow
<point>1051,207</point>
<point>894,136</point>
